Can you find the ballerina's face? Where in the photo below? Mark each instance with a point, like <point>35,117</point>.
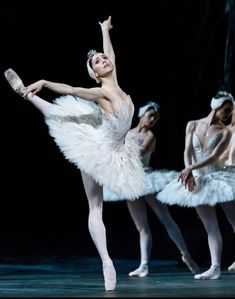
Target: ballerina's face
<point>150,118</point>
<point>101,65</point>
<point>225,111</point>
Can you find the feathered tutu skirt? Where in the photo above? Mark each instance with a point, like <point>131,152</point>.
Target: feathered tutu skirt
<point>211,189</point>
<point>155,181</point>
<point>86,140</point>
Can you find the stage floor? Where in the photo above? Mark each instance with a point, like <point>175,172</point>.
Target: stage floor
<point>82,277</point>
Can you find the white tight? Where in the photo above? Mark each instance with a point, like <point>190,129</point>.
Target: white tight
<point>138,212</point>
<point>39,103</point>
<point>209,219</point>
<point>94,194</point>
<point>96,226</point>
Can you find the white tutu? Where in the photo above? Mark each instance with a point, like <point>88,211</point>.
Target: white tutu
<point>212,188</point>
<point>98,143</point>
<point>214,184</point>
<point>155,181</point>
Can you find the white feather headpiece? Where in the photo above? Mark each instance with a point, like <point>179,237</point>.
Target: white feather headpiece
<point>151,104</point>
<point>220,98</point>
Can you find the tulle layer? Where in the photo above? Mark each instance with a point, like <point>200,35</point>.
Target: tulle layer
<point>86,140</point>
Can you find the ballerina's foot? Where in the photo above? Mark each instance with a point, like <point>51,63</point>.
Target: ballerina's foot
<point>142,271</point>
<point>213,273</point>
<point>109,276</point>
<point>14,80</point>
<point>232,267</point>
<point>193,267</point>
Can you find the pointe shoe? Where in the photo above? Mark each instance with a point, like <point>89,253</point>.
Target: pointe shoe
<point>193,267</point>
<point>142,271</point>
<point>232,267</point>
<point>213,273</point>
<point>14,80</point>
<point>109,276</point>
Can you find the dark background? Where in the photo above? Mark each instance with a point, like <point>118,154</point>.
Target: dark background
<point>177,53</point>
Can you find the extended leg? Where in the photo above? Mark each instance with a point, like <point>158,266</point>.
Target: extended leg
<point>17,85</point>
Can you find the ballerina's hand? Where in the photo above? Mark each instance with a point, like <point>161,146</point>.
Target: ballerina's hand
<point>106,24</point>
<point>190,183</point>
<point>184,175</point>
<point>33,88</point>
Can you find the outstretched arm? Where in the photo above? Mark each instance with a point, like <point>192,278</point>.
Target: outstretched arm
<point>93,94</point>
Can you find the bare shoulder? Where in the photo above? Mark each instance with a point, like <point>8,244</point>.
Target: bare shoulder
<point>151,134</point>
<point>191,125</point>
<point>151,137</point>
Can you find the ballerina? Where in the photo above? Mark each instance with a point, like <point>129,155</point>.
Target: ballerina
<point>90,126</point>
<point>204,182</point>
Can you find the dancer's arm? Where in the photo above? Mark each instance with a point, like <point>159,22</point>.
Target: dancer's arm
<point>148,144</point>
<point>229,153</point>
<point>186,177</point>
<point>231,156</point>
<point>107,44</point>
<point>188,150</point>
<point>186,173</point>
<point>87,93</point>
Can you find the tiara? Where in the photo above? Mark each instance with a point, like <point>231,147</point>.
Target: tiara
<point>91,53</point>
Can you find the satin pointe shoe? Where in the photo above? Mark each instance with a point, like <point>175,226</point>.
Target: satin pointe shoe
<point>193,267</point>
<point>213,273</point>
<point>14,80</point>
<point>142,271</point>
<point>109,276</point>
<point>231,268</point>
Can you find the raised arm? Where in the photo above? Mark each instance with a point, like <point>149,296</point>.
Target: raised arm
<point>107,44</point>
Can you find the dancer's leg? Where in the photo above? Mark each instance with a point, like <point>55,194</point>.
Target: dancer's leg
<point>93,192</point>
<point>229,210</point>
<point>208,217</point>
<point>138,213</point>
<point>17,85</point>
<point>97,229</point>
<point>173,230</point>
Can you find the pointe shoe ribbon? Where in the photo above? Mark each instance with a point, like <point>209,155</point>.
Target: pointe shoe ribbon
<point>14,80</point>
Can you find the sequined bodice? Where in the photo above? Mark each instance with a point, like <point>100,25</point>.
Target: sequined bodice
<point>116,125</point>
